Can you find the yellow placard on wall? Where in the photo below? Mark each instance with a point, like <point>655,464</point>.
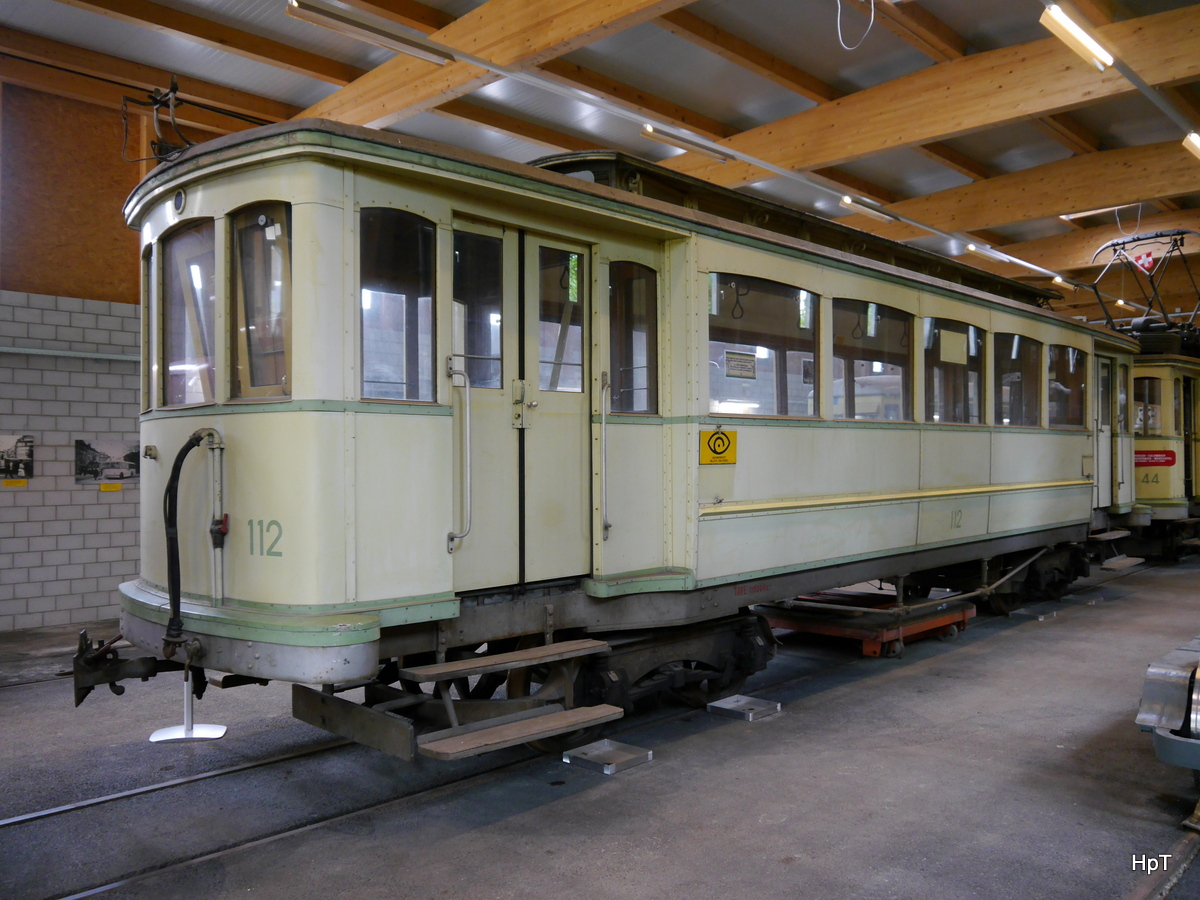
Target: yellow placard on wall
<point>16,482</point>
<point>110,487</point>
<point>718,448</point>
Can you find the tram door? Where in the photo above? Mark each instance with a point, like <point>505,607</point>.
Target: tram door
<point>1104,477</point>
<point>519,323</point>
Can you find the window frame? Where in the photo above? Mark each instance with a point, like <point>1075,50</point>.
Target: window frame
<point>653,386</point>
<point>1085,387</point>
<point>159,388</point>
<point>1039,365</point>
<point>908,397</point>
<point>984,391</point>
<point>239,345</point>
<point>780,374</point>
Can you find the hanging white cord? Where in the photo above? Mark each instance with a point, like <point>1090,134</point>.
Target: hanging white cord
<point>1136,228</point>
<point>842,40</point>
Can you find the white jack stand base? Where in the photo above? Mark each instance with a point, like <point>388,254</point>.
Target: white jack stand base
<point>187,731</point>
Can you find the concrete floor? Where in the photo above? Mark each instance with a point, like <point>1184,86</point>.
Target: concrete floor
<point>1004,764</point>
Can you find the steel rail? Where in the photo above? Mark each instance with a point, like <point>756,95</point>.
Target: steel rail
<point>163,785</point>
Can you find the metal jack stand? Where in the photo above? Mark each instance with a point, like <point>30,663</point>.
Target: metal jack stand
<point>188,731</point>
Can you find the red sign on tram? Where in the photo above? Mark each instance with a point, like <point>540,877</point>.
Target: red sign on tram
<point>1153,458</point>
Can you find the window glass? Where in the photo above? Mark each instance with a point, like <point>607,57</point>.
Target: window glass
<point>147,275</point>
<point>1105,372</point>
<point>762,347</point>
<point>953,372</point>
<point>188,311</point>
<point>560,343</point>
<point>633,335</point>
<point>1068,386</point>
<point>1178,406</point>
<point>396,266</point>
<point>1018,381</point>
<point>872,352</point>
<point>1123,399</point>
<point>478,294</point>
<point>1147,406</point>
<point>262,278</point>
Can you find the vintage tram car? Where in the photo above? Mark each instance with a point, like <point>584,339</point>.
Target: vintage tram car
<point>472,424</point>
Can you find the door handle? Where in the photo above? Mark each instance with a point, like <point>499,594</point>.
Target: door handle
<point>451,371</point>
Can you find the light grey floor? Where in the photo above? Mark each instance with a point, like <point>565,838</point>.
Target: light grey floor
<point>1004,764</point>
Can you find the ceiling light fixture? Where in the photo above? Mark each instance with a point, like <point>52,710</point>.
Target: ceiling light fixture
<point>1075,36</point>
<point>986,252</point>
<point>867,209</point>
<point>674,140</point>
<point>1192,144</point>
<point>353,25</point>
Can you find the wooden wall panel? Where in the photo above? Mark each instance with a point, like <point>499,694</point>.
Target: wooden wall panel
<point>62,184</point>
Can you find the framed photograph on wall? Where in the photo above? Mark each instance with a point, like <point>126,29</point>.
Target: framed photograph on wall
<point>106,461</point>
<point>16,456</point>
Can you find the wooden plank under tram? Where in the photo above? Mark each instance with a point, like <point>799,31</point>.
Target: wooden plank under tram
<point>878,627</point>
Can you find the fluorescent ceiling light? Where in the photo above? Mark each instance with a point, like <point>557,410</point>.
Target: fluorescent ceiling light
<point>1071,217</point>
<point>674,140</point>
<point>867,209</point>
<point>353,25</point>
<point>1192,143</point>
<point>986,252</point>
<point>1075,36</point>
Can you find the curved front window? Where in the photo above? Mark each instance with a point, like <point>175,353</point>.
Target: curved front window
<point>188,308</point>
<point>262,302</point>
<point>633,334</point>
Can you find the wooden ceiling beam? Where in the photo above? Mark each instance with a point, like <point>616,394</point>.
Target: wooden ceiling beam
<point>87,89</point>
<point>917,27</point>
<point>221,37</point>
<point>521,33</point>
<point>137,77</point>
<point>744,54</point>
<point>1076,184</point>
<point>1070,252</point>
<point>970,94</point>
<point>409,13</point>
<point>473,114</point>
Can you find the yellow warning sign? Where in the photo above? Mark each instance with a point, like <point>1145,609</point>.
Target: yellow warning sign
<point>718,448</point>
<point>110,487</point>
<point>16,482</point>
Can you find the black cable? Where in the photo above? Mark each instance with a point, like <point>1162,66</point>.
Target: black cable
<point>174,634</point>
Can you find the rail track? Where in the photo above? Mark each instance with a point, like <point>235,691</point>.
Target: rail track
<point>76,823</point>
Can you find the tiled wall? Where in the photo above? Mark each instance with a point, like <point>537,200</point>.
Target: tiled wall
<point>64,547</point>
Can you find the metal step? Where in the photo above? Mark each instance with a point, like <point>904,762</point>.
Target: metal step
<point>1190,542</point>
<point>512,733</point>
<point>1120,562</point>
<point>1114,535</point>
<point>503,662</point>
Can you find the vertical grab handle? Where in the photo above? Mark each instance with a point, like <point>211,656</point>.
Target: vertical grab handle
<point>605,397</point>
<point>451,371</point>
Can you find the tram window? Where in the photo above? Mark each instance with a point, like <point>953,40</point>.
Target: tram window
<point>1123,399</point>
<point>1018,383</point>
<point>262,314</point>
<point>872,353</point>
<point>762,347</point>
<point>953,372</point>
<point>1178,406</point>
<point>478,294</point>
<point>633,336</point>
<point>560,342</point>
<point>188,314</point>
<point>147,275</point>
<point>396,282</point>
<point>1067,368</point>
<point>1147,406</point>
<point>1104,396</point>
